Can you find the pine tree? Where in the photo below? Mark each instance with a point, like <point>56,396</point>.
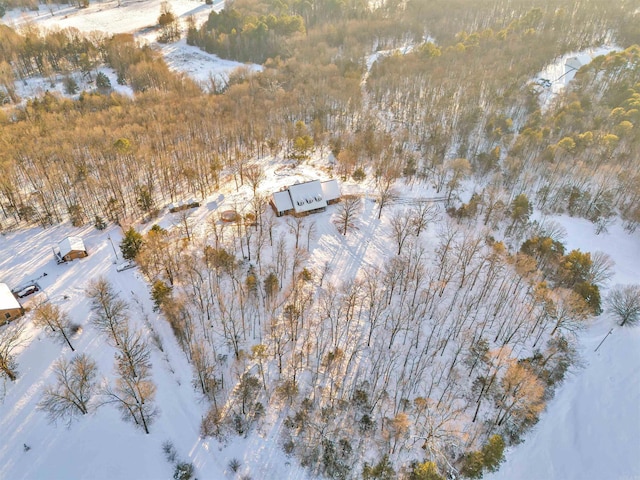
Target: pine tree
<point>493,453</point>
<point>424,471</point>
<point>131,244</point>
<point>472,465</point>
<point>102,81</point>
<point>383,470</point>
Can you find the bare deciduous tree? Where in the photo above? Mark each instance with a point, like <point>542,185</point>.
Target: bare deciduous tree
<point>601,269</point>
<point>401,228</point>
<point>134,391</point>
<point>109,310</point>
<point>254,175</point>
<point>134,398</point>
<point>347,212</point>
<point>624,303</point>
<point>422,215</point>
<point>10,339</point>
<point>296,224</point>
<point>52,316</point>
<point>72,392</point>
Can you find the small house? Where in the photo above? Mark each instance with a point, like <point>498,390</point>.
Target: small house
<point>69,249</point>
<point>307,197</point>
<point>10,308</point>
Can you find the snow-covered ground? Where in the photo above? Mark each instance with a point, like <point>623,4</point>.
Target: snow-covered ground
<point>554,78</point>
<point>125,16</point>
<point>590,429</point>
<point>38,86</point>
<point>139,18</point>
<point>101,445</point>
<point>199,65</point>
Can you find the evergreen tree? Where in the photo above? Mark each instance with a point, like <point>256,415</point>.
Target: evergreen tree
<point>102,81</point>
<point>383,470</point>
<point>424,471</point>
<point>520,210</point>
<point>472,465</point>
<point>131,244</point>
<point>160,292</point>
<point>493,453</point>
<point>99,223</point>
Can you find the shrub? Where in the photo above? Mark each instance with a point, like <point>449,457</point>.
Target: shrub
<point>99,223</point>
<point>102,81</point>
<point>70,85</point>
<point>183,471</point>
<point>169,451</point>
<point>234,465</point>
<point>359,175</point>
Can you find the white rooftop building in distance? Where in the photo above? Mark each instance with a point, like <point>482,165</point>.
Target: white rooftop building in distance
<point>305,197</point>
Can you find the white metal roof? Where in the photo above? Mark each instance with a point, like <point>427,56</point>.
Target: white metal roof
<point>7,300</point>
<point>331,190</point>
<point>71,244</point>
<point>282,201</point>
<point>307,196</point>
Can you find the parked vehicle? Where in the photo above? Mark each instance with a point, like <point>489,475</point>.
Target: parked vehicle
<point>25,292</point>
<point>125,266</point>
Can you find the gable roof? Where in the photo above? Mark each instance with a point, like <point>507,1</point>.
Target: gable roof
<point>7,300</point>
<point>307,196</point>
<point>71,244</point>
<point>282,201</point>
<point>330,190</point>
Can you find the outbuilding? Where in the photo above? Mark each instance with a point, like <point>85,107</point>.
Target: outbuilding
<point>69,249</point>
<point>10,308</point>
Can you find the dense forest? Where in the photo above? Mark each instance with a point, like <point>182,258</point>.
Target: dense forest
<point>427,365</point>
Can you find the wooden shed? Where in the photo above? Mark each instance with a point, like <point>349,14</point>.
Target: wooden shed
<point>69,249</point>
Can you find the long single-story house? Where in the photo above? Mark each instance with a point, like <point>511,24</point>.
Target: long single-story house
<point>307,197</point>
<point>10,308</point>
<point>70,248</point>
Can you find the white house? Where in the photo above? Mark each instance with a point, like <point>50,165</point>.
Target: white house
<point>305,197</point>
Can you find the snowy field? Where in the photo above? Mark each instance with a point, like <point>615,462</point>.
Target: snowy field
<point>597,402</point>
<point>139,18</point>
<point>90,447</point>
<point>555,77</point>
<point>126,16</point>
<point>589,431</point>
<point>87,449</point>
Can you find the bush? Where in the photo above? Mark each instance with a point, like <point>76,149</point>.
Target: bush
<point>70,85</point>
<point>99,223</point>
<point>183,471</point>
<point>234,465</point>
<point>102,81</point>
<point>169,451</point>
<point>359,175</point>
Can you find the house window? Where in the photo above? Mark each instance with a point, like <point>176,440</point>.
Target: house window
<point>7,316</point>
